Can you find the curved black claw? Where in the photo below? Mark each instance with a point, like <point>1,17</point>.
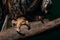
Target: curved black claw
<point>20,33</point>
<point>28,27</point>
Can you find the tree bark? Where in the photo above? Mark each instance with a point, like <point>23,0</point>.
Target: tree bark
<point>36,28</point>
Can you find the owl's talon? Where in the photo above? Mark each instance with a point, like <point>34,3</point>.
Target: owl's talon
<point>18,30</point>
<point>28,27</point>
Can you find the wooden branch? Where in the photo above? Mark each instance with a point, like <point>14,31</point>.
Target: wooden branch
<point>36,28</point>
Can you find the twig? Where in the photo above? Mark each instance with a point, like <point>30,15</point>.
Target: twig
<point>5,23</point>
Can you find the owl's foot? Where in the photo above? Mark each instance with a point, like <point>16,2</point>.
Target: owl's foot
<point>19,22</point>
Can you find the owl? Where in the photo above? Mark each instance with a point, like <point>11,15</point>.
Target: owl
<point>22,11</point>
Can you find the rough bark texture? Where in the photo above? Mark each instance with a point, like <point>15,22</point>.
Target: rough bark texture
<point>36,28</point>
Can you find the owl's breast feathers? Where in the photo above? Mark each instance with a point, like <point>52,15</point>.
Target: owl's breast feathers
<point>26,6</point>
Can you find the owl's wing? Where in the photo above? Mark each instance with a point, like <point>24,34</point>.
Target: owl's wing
<point>45,4</point>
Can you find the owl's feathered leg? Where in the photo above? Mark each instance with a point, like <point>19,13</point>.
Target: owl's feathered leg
<point>39,18</point>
